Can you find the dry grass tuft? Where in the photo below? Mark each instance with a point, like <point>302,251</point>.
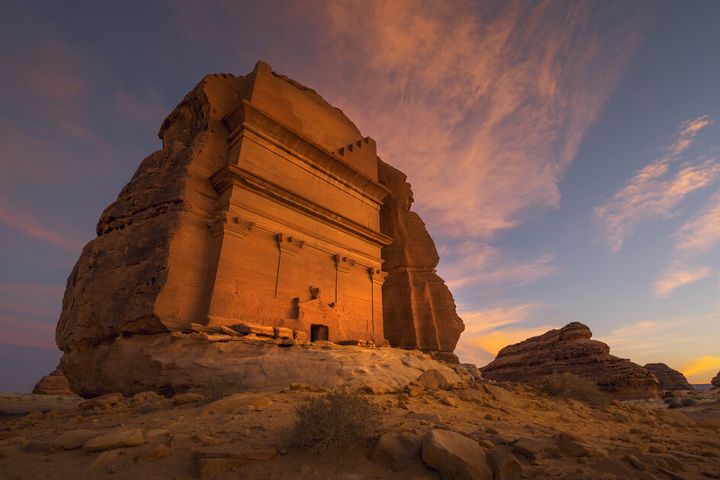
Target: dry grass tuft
<point>334,421</point>
<point>219,387</point>
<point>569,385</point>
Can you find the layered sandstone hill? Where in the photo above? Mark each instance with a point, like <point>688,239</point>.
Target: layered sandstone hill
<point>53,383</point>
<point>570,349</point>
<point>716,381</point>
<point>149,270</point>
<point>418,307</point>
<point>669,379</point>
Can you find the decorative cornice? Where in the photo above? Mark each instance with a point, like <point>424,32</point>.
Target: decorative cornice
<point>377,276</point>
<point>230,225</point>
<point>235,175</point>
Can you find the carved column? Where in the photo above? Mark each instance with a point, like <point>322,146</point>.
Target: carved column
<point>377,278</point>
<point>343,265</point>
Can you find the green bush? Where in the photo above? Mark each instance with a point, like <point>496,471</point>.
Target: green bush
<point>334,421</point>
<point>568,385</point>
<point>688,402</point>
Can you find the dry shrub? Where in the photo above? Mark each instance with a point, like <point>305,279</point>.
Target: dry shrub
<point>334,421</point>
<point>219,387</point>
<point>569,385</point>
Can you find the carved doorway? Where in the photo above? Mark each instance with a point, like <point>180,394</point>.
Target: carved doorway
<point>319,332</point>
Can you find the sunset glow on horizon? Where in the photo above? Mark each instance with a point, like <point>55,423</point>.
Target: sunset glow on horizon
<point>565,156</point>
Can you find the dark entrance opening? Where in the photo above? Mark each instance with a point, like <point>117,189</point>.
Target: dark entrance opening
<point>318,332</point>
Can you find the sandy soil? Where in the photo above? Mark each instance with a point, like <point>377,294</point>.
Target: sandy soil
<point>626,440</point>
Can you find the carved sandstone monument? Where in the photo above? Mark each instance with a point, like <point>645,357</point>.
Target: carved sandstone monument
<point>570,349</point>
<point>669,379</point>
<point>266,212</point>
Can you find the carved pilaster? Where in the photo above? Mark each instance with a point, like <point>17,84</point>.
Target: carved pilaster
<point>377,276</point>
<point>289,245</point>
<point>343,264</point>
<point>231,225</point>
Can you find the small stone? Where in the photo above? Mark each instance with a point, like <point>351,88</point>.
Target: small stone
<point>73,439</point>
<point>186,398</point>
<point>635,462</point>
<point>239,402</point>
<point>449,401</point>
<point>121,437</point>
<point>435,379</point>
<point>282,332</point>
<point>504,464</point>
<point>106,400</point>
<point>145,396</point>
<point>396,450</point>
<point>156,452</point>
<point>104,459</point>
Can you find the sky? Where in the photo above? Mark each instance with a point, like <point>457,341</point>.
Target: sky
<point>565,156</point>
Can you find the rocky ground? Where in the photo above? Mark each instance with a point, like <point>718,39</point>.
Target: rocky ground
<point>462,432</point>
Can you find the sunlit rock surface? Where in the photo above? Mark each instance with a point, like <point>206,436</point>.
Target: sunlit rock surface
<point>669,379</point>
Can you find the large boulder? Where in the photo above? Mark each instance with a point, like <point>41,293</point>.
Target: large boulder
<point>716,381</point>
<point>418,308</point>
<point>669,379</point>
<point>570,349</point>
<point>53,383</point>
<point>455,456</point>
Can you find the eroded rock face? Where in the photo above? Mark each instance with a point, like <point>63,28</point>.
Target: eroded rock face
<point>418,308</point>
<point>178,362</point>
<point>570,349</point>
<point>716,381</point>
<point>669,379</point>
<point>54,383</point>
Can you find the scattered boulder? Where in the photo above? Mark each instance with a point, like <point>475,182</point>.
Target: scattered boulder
<point>503,463</point>
<point>669,379</point>
<point>54,383</point>
<point>455,456</point>
<point>120,437</point>
<point>570,349</point>
<point>435,379</point>
<point>397,450</point>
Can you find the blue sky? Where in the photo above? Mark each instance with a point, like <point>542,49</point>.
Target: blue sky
<point>564,155</point>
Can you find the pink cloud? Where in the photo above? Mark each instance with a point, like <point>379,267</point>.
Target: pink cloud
<point>701,233</point>
<point>23,332</point>
<point>656,190</point>
<point>677,276</point>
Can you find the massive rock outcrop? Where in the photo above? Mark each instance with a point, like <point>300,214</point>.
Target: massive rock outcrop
<point>166,250</point>
<point>418,307</point>
<point>715,382</point>
<point>669,379</point>
<point>53,383</point>
<point>570,349</point>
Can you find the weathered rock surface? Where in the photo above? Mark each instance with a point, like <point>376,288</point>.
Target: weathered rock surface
<point>177,362</point>
<point>669,379</point>
<point>716,381</point>
<point>397,450</point>
<point>120,437</point>
<point>54,383</point>
<point>455,456</point>
<point>570,349</point>
<point>418,308</point>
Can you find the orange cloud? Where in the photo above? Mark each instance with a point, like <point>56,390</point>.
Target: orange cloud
<point>657,189</point>
<point>483,109</point>
<point>701,369</point>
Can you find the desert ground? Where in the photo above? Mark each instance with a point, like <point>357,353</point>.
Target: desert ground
<point>521,432</point>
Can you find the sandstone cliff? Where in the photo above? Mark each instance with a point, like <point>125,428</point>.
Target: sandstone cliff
<point>148,270</point>
<point>669,379</point>
<point>53,383</point>
<point>570,349</point>
<point>716,381</point>
<point>418,307</point>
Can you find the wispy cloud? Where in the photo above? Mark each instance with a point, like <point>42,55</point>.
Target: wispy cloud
<point>701,233</point>
<point>676,276</point>
<point>27,225</point>
<point>656,190</point>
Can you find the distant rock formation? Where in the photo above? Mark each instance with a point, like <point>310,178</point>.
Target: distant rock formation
<point>716,381</point>
<point>570,349</point>
<point>261,194</point>
<point>54,383</point>
<point>669,379</point>
<point>418,308</point>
